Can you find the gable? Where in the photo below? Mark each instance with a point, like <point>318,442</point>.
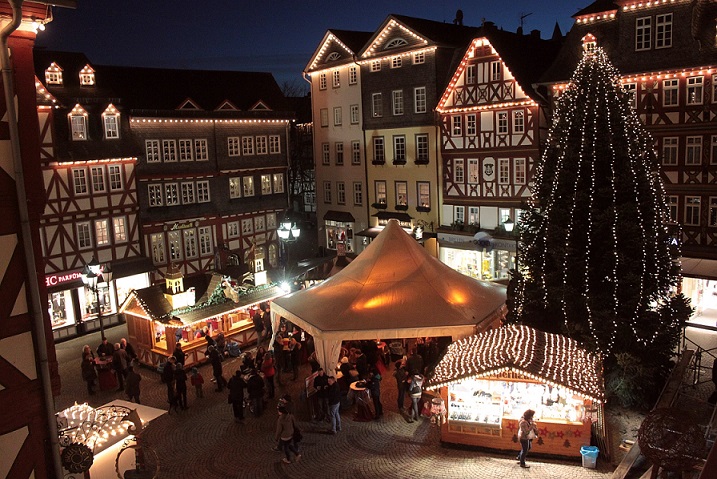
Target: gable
<point>188,104</point>
<point>227,105</point>
<point>394,36</point>
<point>331,51</point>
<point>260,105</point>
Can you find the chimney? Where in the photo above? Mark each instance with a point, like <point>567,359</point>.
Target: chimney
<point>535,34</point>
<point>520,30</point>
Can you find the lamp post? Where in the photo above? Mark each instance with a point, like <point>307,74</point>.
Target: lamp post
<point>509,225</point>
<point>93,274</point>
<point>288,233</point>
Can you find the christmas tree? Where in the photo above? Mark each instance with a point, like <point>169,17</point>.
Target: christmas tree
<point>596,262</point>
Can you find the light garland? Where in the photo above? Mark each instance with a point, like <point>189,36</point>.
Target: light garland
<point>388,30</point>
<point>204,120</point>
<point>394,55</point>
<point>329,39</point>
<point>94,427</point>
<point>607,15</point>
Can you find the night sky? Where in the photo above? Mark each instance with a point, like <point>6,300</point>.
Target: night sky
<point>278,36</point>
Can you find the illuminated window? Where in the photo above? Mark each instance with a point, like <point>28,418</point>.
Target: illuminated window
<point>643,33</point>
<point>97,174</point>
<point>53,74</point>
<point>380,187</point>
<point>458,171</point>
<point>473,215</point>
<point>694,90</point>
<point>358,194</point>
<point>423,190</point>
<point>473,171</point>
<point>102,232</point>
<point>663,30</point>
<point>248,183</point>
<point>87,76</point>
<point>401,193</point>
<point>278,182</point>
<point>119,228</point>
<point>265,184</point>
<point>669,150</point>
<point>157,244</point>
<point>670,92</point>
<point>397,102</point>
<point>235,187</point>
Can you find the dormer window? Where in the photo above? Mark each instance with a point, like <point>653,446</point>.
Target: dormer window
<point>87,76</point>
<point>78,123</point>
<point>110,120</point>
<point>53,74</point>
<point>589,43</point>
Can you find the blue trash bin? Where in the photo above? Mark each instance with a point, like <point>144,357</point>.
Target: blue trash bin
<point>590,454</point>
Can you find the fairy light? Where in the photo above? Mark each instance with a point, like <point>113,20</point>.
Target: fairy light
<point>97,428</point>
<point>330,40</point>
<point>206,120</point>
<point>392,29</point>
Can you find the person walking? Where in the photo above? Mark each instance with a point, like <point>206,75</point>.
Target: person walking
<point>132,384</point>
<point>197,381</point>
<point>415,389</point>
<point>87,367</point>
<point>216,359</point>
<point>168,380</point>
<point>120,361</point>
<point>180,385</point>
<point>269,370</point>
<point>333,396</point>
<point>527,431</point>
<point>401,375</point>
<point>285,427</point>
<point>236,387</point>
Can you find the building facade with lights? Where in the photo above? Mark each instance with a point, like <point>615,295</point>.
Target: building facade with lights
<point>666,52</point>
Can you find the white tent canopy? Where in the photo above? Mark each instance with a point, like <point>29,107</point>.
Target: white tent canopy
<point>393,289</point>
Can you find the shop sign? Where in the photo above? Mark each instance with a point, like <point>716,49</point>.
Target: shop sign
<point>55,279</point>
<point>182,226</point>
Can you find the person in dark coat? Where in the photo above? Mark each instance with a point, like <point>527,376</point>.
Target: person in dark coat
<point>179,353</point>
<point>236,395</point>
<point>89,374</point>
<point>258,326</point>
<point>216,360</point>
<point>374,387</point>
<point>180,385</point>
<point>105,349</point>
<point>295,351</point>
<point>321,384</point>
<point>129,348</point>
<point>168,380</point>
<point>120,361</point>
<point>255,388</point>
<point>132,384</point>
<point>414,363</point>
<point>401,375</point>
<point>362,365</point>
<point>333,394</point>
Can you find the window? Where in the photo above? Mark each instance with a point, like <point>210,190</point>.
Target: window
<point>669,151</point>
<point>278,182</point>
<point>630,90</point>
<point>324,113</point>
<point>188,193</point>
<point>496,71</point>
<point>419,57</point>
<point>233,145</point>
<point>87,76</point>
<point>397,102</point>
<point>470,74</point>
<point>396,62</point>
<point>379,152</point>
<point>152,150</point>
<point>53,75</point>
<point>102,233</point>
<point>663,30</point>
<point>271,218</point>
<point>401,193</point>
<point>84,236</point>
<point>78,124</point>
<point>190,243</point>
<point>380,187</point>
<point>79,181</point>
<point>458,171</point>
<point>503,171</point>
<point>174,241</point>
<point>200,149</point>
<point>423,192</point>
<point>358,194</point>
<point>354,114</point>
<point>115,173</point>
<point>247,226</point>
<point>355,153</point>
<point>274,144</point>
<point>422,148</point>
<point>325,154</point>
<point>399,149</point>
<point>341,193</point>
<point>376,105</point>
<point>235,187</point>
<point>97,173</point>
<point>248,183</point>
<point>259,223</point>
<point>322,81</point>
<point>119,228</point>
<point>670,92</point>
<point>502,122</point>
<point>205,240</point>
<point>337,116</point>
<point>712,218</point>
<point>336,79</point>
<point>376,66</point>
<point>456,127</point>
<point>459,213</point>
<point>339,150</point>
<point>155,195</point>
<point>714,88</point>
<point>247,145</point>
<point>672,206</point>
<point>694,91</point>
<point>265,184</point>
<point>185,150</point>
<point>643,33</point>
<point>518,121</point>
<point>473,171</point>
<point>713,151</point>
<point>157,244</point>
<point>692,210</point>
<point>520,171</point>
<point>169,150</point>
<point>111,124</point>
<point>203,191</point>
<point>261,145</point>
<point>353,75</point>
<point>327,192</point>
<point>171,194</point>
<point>471,124</point>
<point>473,215</point>
<point>694,150</point>
<point>419,99</point>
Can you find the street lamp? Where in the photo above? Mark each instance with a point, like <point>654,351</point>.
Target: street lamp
<point>509,224</point>
<point>288,233</point>
<point>93,274</point>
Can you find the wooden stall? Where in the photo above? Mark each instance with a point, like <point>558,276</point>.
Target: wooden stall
<point>487,381</point>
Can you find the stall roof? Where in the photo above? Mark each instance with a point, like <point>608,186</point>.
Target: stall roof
<point>552,358</point>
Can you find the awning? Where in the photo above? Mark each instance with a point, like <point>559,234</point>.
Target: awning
<point>699,268</point>
<point>389,215</point>
<point>130,266</point>
<point>342,216</point>
<point>369,232</point>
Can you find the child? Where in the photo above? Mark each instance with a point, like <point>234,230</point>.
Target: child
<point>197,381</point>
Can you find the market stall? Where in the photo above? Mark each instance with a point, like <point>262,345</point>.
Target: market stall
<point>488,380</point>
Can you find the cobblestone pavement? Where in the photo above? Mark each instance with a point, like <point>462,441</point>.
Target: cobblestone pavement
<point>205,442</point>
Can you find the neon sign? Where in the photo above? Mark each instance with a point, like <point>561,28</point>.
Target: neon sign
<point>55,279</point>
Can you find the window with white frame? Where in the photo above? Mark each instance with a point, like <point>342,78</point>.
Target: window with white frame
<point>399,149</point>
<point>669,150</point>
<point>79,181</point>
<point>174,241</point>
<point>53,75</point>
<point>327,192</point>
<point>358,193</point>
<point>456,125</point>
<point>247,226</point>
<point>97,173</point>
<point>643,33</point>
<point>692,210</point>
<point>672,206</point>
<point>670,92</point>
<point>354,112</point>
<point>248,183</point>
<point>111,124</point>
<point>419,57</point>
<point>171,194</point>
<point>396,62</point>
<point>713,150</point>
<point>473,215</point>
<point>265,184</point>
<point>422,148</point>
<point>519,175</point>
<point>379,150</point>
<point>169,151</point>
<point>233,145</point>
<point>78,124</point>
<point>355,152</point>
<point>84,236</point>
<point>156,241</point>
<point>353,75</point>
<point>152,150</point>
<point>694,90</point>
<point>259,223</point>
<point>205,240</point>
<point>324,114</point>
<point>340,193</point>
<point>503,171</point>
<point>155,196</point>
<point>119,229</point>
<point>376,66</point>
<point>423,193</point>
<point>200,149</point>
<point>338,119</point>
<point>503,214</point>
<point>322,81</point>
<point>339,152</point>
<point>419,99</point>
<point>630,90</point>
<point>278,182</point>
<point>271,221</point>
<point>401,193</point>
<point>102,232</point>
<point>496,71</point>
<point>459,214</point>
<point>518,121</point>
<point>190,243</point>
<point>247,145</point>
<point>188,193</point>
<point>115,174</point>
<point>185,150</point>
<point>397,102</point>
<point>325,154</point>
<point>458,171</point>
<point>235,187</point>
<point>502,122</point>
<point>380,187</point>
<point>473,171</point>
<point>376,105</point>
<point>694,150</point>
<point>274,144</point>
<point>663,30</point>
<point>261,145</point>
<point>712,218</point>
<point>87,76</point>
<point>470,74</point>
<point>471,126</point>
<point>203,191</point>
<point>336,79</point>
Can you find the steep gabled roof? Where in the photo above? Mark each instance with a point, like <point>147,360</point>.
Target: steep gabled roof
<point>347,43</point>
<point>599,6</point>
